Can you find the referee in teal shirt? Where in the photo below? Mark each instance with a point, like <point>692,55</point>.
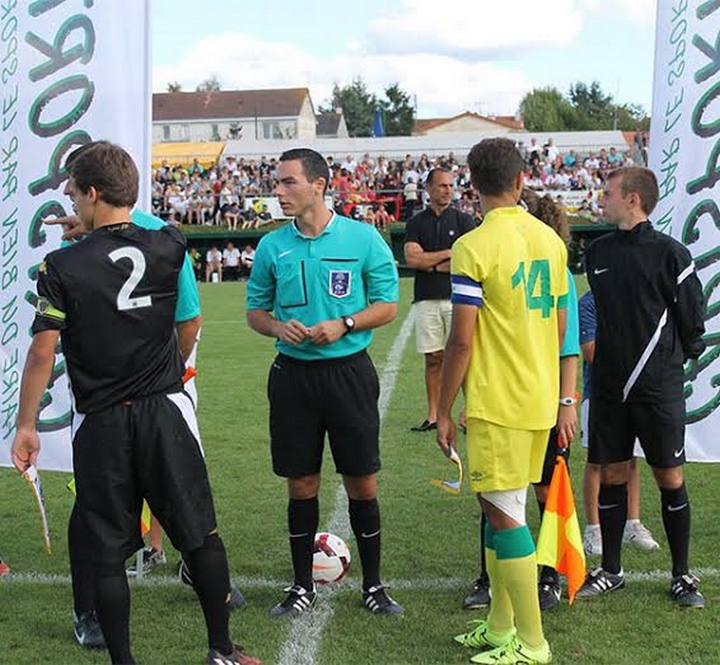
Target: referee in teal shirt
<point>319,286</point>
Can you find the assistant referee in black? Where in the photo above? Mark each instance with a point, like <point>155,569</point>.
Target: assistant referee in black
<point>650,320</point>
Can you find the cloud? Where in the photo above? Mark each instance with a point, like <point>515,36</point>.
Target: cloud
<point>444,85</point>
<point>639,12</point>
<point>484,29</point>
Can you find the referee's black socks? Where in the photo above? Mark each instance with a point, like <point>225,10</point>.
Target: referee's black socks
<point>303,518</point>
<point>676,520</point>
<point>612,506</point>
<point>365,523</point>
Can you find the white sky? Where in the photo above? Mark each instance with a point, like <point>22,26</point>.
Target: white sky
<point>479,55</point>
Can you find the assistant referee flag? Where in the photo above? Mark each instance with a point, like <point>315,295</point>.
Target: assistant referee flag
<point>559,543</point>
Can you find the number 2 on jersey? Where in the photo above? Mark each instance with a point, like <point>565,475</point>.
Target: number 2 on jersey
<point>539,272</point>
<point>124,299</point>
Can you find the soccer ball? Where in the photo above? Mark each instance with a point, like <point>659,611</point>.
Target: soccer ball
<point>331,558</point>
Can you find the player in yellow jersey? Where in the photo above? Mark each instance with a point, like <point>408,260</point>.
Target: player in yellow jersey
<point>509,294</point>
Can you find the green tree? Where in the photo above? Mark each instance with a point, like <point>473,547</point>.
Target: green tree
<point>398,112</point>
<point>594,109</point>
<point>632,116</point>
<point>358,106</point>
<point>175,86</point>
<point>546,110</point>
<point>210,84</point>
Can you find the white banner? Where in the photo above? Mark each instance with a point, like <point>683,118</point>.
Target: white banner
<point>71,72</point>
<point>685,155</point>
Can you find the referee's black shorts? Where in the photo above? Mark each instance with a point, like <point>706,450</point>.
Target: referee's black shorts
<point>614,426</point>
<point>146,448</point>
<point>311,398</point>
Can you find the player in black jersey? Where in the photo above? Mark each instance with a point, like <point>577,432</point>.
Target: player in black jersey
<point>111,301</point>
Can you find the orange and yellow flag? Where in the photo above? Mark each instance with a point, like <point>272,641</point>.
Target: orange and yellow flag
<point>560,544</point>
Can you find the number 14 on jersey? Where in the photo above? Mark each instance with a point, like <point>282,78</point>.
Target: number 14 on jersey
<point>536,286</point>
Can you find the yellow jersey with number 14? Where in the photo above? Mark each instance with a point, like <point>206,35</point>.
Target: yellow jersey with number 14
<point>513,269</point>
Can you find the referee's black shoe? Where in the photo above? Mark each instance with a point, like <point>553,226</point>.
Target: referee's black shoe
<point>426,426</point>
<point>684,590</point>
<point>298,600</point>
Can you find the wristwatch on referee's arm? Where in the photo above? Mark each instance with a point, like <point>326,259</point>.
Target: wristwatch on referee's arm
<point>568,401</point>
<point>349,323</point>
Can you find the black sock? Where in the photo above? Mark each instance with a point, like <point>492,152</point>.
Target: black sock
<point>112,603</point>
<point>211,580</point>
<point>483,558</point>
<point>365,522</point>
<point>676,520</point>
<point>612,506</point>
<point>81,572</point>
<point>303,519</point>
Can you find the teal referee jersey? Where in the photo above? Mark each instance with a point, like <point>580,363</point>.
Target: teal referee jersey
<point>338,273</point>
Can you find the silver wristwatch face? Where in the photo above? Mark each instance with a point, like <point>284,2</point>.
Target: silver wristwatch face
<point>349,323</point>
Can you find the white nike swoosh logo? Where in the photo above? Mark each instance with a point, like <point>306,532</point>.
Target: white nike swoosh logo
<point>600,271</point>
<point>281,254</point>
<point>608,507</point>
<point>677,453</point>
<point>674,509</point>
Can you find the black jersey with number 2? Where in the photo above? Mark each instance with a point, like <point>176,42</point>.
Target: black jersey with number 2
<point>112,297</point>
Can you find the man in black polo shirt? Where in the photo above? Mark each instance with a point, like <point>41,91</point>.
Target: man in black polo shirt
<point>111,300</point>
<point>428,239</point>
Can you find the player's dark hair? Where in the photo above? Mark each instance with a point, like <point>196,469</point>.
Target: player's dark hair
<point>109,169</point>
<point>638,180</point>
<point>433,171</point>
<point>494,165</point>
<point>551,213</point>
<point>313,164</point>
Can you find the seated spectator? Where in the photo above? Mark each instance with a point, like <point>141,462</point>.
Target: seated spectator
<point>382,217</point>
<point>213,263</point>
<point>263,217</point>
<point>194,209</point>
<point>615,159</point>
<point>570,160</point>
<point>230,216</point>
<point>246,260</point>
<point>196,167</point>
<point>176,204</point>
<point>248,216</point>
<point>231,262</point>
<point>369,217</point>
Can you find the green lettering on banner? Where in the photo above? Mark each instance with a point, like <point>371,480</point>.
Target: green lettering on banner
<point>75,82</point>
<point>57,174</point>
<point>57,56</point>
<point>36,234</point>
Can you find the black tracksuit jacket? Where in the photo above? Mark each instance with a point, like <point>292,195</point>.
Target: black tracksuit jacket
<point>650,315</point>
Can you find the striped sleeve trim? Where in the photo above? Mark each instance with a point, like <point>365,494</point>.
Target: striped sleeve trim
<point>466,291</point>
<point>686,273</point>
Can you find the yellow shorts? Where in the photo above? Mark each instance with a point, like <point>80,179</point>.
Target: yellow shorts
<point>502,458</point>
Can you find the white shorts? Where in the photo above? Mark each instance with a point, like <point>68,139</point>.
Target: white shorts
<point>432,324</point>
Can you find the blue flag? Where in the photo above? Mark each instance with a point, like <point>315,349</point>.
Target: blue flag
<point>378,129</point>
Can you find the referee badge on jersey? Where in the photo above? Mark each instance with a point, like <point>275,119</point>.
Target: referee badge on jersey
<point>339,283</point>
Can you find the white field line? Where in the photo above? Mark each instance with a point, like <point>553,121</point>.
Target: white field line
<point>425,584</point>
<point>303,638</point>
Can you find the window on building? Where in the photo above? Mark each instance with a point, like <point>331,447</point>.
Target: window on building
<point>215,132</point>
<point>166,132</point>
